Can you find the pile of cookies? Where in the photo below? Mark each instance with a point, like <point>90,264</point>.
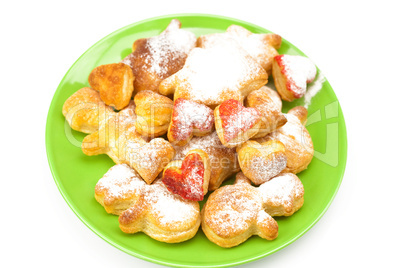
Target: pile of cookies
<point>180,115</point>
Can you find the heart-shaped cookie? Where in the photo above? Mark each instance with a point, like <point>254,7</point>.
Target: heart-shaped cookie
<point>189,178</point>
<point>235,123</point>
<point>189,118</point>
<point>114,83</point>
<point>262,162</point>
<point>291,75</point>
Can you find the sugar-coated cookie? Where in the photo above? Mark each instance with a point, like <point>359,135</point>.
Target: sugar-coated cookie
<point>261,162</point>
<point>189,118</point>
<point>162,215</point>
<point>235,123</point>
<point>295,137</point>
<point>213,75</point>
<point>156,58</point>
<point>223,160</point>
<point>292,74</point>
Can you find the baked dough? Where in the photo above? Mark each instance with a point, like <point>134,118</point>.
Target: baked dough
<point>211,76</point>
<point>269,105</point>
<point>283,195</point>
<point>118,139</point>
<point>156,58</point>
<point>162,215</point>
<point>295,137</point>
<point>189,118</point>
<point>153,113</point>
<point>119,189</point>
<point>223,160</point>
<point>262,162</point>
<point>189,178</point>
<point>235,212</point>
<point>114,82</point>
<point>84,109</point>
<point>292,74</point>
<point>235,123</point>
<point>262,47</point>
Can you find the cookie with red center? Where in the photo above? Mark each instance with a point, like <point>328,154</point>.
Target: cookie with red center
<point>291,75</point>
<point>235,123</point>
<point>189,118</point>
<point>189,178</point>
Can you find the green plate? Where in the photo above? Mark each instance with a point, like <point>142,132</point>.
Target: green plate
<point>76,174</point>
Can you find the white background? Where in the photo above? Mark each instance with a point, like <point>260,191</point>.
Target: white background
<point>357,45</point>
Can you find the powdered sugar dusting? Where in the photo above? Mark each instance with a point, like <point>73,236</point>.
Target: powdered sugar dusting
<point>225,66</point>
<point>170,208</point>
<point>298,70</point>
<point>188,114</point>
<point>237,210</point>
<point>234,124</point>
<point>171,45</point>
<point>281,190</point>
<point>265,169</point>
<point>119,181</point>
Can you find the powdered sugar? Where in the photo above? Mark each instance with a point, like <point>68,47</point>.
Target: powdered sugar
<point>298,70</point>
<point>119,181</point>
<point>215,72</point>
<point>239,122</point>
<point>169,208</point>
<point>281,190</point>
<point>237,210</point>
<point>188,114</point>
<point>267,168</point>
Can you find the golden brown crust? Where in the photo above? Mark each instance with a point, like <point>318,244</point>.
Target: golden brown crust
<point>114,83</point>
<point>223,160</point>
<point>84,109</point>
<point>118,139</point>
<point>156,58</point>
<point>119,189</point>
<point>295,137</point>
<point>261,162</point>
<point>162,215</point>
<point>233,213</point>
<point>264,100</point>
<point>153,113</point>
<point>281,81</point>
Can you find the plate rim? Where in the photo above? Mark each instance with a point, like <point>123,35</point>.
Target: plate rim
<point>144,257</point>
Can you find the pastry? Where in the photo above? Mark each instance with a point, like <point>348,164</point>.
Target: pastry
<point>114,83</point>
<point>118,139</point>
<point>189,118</point>
<point>189,178</point>
<point>162,215</point>
<point>153,113</point>
<point>156,58</point>
<point>261,162</point>
<point>292,74</point>
<point>235,212</point>
<point>223,160</point>
<point>211,76</point>
<point>265,100</point>
<point>262,47</point>
<point>84,109</point>
<point>295,137</point>
<point>235,123</point>
<point>283,195</point>
<point>119,189</point>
